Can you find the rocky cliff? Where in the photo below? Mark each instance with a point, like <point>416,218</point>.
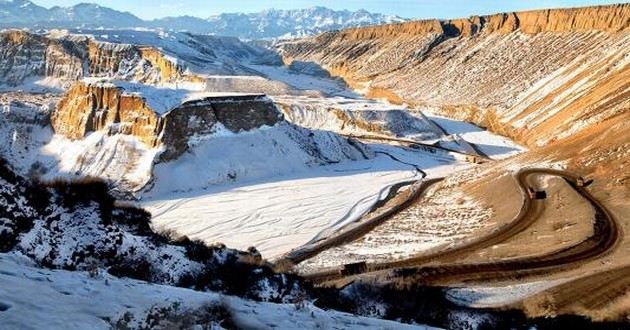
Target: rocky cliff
<point>90,106</point>
<point>98,106</point>
<point>199,117</point>
<point>612,18</point>
<point>24,55</point>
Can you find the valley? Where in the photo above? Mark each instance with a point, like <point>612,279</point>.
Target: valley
<point>477,164</point>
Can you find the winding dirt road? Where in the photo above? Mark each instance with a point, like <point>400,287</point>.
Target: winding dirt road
<point>606,234</point>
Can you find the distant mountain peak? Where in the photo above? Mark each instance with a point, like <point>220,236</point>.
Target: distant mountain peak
<point>267,24</point>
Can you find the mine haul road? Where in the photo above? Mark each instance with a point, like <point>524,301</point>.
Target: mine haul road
<point>438,267</point>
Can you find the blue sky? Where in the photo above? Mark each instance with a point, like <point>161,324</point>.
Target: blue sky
<point>407,8</point>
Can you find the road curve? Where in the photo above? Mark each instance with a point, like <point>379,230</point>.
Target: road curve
<point>418,189</point>
<point>605,237</point>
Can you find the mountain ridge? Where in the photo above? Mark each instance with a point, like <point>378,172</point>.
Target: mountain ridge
<point>267,24</point>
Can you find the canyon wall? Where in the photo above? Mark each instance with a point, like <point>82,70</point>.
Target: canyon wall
<point>25,55</point>
<point>537,76</point>
<point>603,18</point>
<point>103,106</point>
<point>557,81</point>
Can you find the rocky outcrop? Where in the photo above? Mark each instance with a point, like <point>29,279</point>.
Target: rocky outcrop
<point>25,55</point>
<point>200,117</point>
<point>97,106</point>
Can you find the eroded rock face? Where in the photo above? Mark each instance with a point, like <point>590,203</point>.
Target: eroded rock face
<point>89,107</point>
<point>94,107</point>
<point>25,55</point>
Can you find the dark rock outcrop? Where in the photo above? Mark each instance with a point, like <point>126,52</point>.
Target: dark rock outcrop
<point>199,117</point>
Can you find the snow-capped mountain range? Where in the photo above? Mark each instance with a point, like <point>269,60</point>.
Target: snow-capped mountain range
<point>289,23</point>
<point>267,24</point>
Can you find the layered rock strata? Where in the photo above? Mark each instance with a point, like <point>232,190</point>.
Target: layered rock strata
<point>25,55</point>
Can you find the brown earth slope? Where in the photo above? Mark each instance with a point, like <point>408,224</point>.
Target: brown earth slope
<point>538,76</point>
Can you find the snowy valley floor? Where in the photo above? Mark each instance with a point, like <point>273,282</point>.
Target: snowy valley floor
<point>282,213</point>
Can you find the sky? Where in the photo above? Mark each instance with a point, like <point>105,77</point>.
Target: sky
<point>149,9</point>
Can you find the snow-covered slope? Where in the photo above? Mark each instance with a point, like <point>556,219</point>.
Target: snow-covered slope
<point>358,117</point>
<point>32,298</point>
<point>79,226</point>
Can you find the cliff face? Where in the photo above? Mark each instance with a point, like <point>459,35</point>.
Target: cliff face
<point>93,107</point>
<point>98,106</point>
<point>612,18</point>
<point>538,76</point>
<point>24,55</point>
